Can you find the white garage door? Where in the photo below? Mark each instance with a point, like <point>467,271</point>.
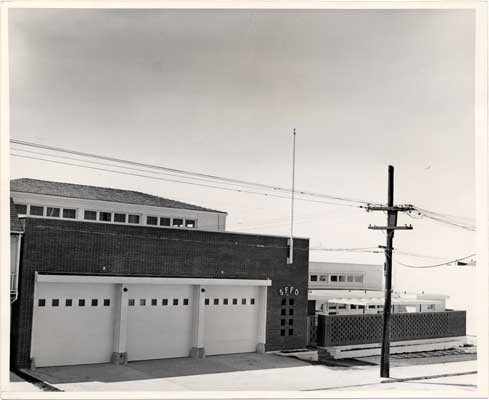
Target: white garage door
<point>72,323</point>
<point>159,321</point>
<point>231,319</point>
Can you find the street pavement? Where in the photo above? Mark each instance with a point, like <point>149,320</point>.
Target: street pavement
<point>261,372</point>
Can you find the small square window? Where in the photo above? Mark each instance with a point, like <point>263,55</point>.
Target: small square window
<point>291,311</point>
<point>284,302</point>
<point>291,331</point>
<point>361,307</point>
<point>322,278</point>
<point>21,209</point>
<point>334,278</point>
<point>154,302</point>
<point>371,306</point>
<point>151,221</point>
<point>178,222</point>
<point>42,303</point>
<point>94,302</point>
<point>349,278</point>
<point>341,278</point>
<point>359,279</point>
<point>164,221</point>
<point>282,322</point>
<point>106,302</point>
<point>243,301</point>
<point>175,302</point>
<point>164,302</point>
<point>132,302</point>
<point>90,215</point>
<point>142,302</point>
<point>69,213</point>
<point>291,321</point>
<point>291,302</point>
<point>252,301</point>
<point>134,219</point>
<point>190,223</point>
<point>225,301</point>
<point>282,311</point>
<point>282,332</point>
<point>206,302</point>
<point>36,210</point>
<point>121,218</point>
<point>105,216</point>
<point>68,302</point>
<point>314,278</point>
<point>185,302</point>
<point>353,306</point>
<point>52,212</point>
<point>55,303</point>
<point>342,307</point>
<point>216,302</point>
<point>81,302</point>
<point>235,301</point>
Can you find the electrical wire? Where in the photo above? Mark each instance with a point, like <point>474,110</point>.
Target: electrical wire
<point>182,182</point>
<point>434,265</point>
<point>195,174</point>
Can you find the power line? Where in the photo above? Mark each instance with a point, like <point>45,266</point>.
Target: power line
<point>195,174</point>
<point>182,182</point>
<point>435,265</point>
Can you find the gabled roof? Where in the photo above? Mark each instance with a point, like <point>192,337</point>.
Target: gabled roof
<point>15,225</point>
<point>27,185</point>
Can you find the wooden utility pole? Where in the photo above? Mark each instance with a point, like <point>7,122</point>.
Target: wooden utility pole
<point>390,228</point>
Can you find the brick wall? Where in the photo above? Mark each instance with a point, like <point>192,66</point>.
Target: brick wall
<point>74,247</point>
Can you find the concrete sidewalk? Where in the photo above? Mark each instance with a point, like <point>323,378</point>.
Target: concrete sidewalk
<point>253,372</point>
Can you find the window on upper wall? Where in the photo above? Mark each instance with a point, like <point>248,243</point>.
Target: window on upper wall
<point>164,221</point>
<point>105,216</point>
<point>69,213</point>
<point>21,209</point>
<point>314,278</point>
<point>190,223</point>
<point>151,220</point>
<point>359,278</point>
<point>341,278</point>
<point>133,219</point>
<point>333,278</point>
<point>52,212</point>
<point>36,210</point>
<point>322,278</point>
<point>90,215</point>
<point>121,218</point>
<point>178,222</point>
<point>349,278</point>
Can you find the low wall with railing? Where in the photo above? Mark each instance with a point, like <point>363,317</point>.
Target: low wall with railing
<point>343,330</point>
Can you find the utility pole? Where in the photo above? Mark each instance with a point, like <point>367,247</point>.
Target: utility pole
<point>390,228</point>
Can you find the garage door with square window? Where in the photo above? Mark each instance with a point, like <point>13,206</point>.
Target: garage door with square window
<point>72,323</point>
<point>159,321</point>
<point>231,319</point>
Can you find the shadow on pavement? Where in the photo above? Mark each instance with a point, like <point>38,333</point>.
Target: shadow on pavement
<point>164,368</point>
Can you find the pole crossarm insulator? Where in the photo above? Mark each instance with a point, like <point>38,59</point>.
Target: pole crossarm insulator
<point>392,208</point>
<point>390,228</point>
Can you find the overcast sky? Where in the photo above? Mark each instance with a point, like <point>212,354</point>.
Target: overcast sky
<point>219,92</point>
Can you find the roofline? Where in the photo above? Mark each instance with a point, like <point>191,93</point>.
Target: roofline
<point>161,228</point>
<point>114,201</point>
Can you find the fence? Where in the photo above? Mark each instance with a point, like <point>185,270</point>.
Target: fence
<point>342,330</point>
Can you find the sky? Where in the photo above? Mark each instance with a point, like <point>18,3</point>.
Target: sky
<point>220,91</point>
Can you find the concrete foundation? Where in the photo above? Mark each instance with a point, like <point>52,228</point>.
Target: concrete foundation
<point>260,348</point>
<point>118,358</point>
<point>197,352</point>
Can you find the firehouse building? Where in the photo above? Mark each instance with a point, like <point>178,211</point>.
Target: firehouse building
<point>107,275</point>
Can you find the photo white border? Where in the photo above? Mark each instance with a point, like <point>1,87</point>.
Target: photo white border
<point>482,187</point>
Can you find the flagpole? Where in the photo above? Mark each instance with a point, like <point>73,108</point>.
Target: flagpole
<point>291,241</point>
